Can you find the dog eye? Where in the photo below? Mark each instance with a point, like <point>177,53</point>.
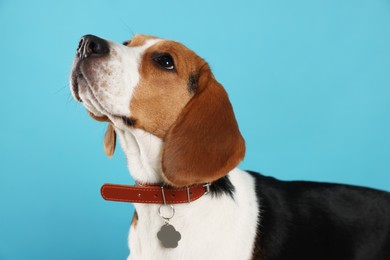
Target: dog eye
<point>165,61</point>
<point>126,43</point>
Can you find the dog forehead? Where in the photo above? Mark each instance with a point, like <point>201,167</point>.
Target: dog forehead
<point>162,45</point>
<point>140,40</point>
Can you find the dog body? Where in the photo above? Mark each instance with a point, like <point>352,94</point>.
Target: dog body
<point>177,127</point>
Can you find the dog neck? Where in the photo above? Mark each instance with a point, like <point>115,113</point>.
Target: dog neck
<point>143,153</point>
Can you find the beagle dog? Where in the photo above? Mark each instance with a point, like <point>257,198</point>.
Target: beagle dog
<point>177,128</point>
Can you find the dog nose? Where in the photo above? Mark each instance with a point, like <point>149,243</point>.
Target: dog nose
<point>91,45</point>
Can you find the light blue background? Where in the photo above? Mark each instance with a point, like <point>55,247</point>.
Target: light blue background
<point>309,81</point>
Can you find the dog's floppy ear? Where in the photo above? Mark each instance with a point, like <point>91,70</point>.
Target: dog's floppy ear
<point>109,140</point>
<point>204,143</point>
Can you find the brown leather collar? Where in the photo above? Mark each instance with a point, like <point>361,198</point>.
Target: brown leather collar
<point>153,193</point>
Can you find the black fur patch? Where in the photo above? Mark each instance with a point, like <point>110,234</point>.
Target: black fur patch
<point>321,221</point>
<point>221,187</point>
<point>192,82</point>
<point>128,121</point>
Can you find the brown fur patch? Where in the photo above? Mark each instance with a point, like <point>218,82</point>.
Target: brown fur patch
<point>161,95</point>
<point>204,143</point>
<point>109,140</point>
<point>134,221</point>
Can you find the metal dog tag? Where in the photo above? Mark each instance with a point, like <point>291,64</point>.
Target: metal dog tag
<point>168,236</point>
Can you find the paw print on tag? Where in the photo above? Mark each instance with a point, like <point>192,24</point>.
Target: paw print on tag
<point>168,236</point>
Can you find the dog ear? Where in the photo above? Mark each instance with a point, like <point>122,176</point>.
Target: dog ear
<point>204,143</point>
<point>109,140</point>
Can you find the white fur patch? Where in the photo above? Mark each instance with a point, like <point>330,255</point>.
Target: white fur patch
<point>211,228</point>
<point>143,153</point>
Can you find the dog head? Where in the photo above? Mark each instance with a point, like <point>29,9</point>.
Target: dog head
<point>165,89</point>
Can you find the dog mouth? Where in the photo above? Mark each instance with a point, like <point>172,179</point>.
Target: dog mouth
<point>83,93</point>
<point>74,81</point>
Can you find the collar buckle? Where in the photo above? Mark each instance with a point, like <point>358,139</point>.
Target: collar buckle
<point>188,194</point>
<point>207,186</point>
<point>163,195</point>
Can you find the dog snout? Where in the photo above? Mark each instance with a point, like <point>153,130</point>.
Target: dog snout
<point>91,45</point>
